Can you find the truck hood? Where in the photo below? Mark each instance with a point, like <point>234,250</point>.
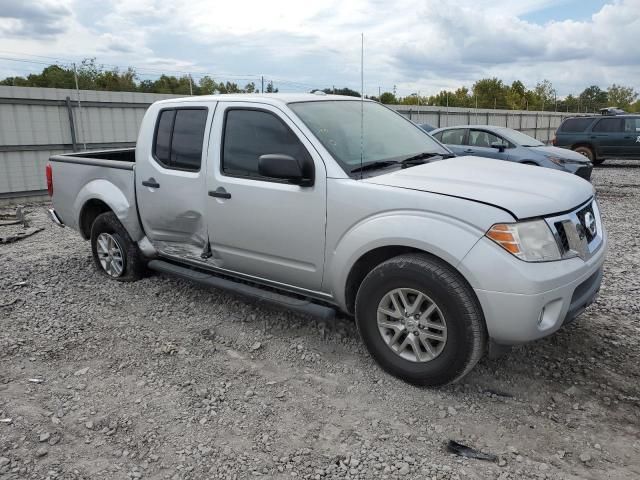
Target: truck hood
<point>524,190</point>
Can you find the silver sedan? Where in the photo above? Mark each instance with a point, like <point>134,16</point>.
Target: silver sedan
<point>507,144</point>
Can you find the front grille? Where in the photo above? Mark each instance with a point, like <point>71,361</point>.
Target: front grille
<point>581,216</point>
<point>577,232</point>
<point>562,236</point>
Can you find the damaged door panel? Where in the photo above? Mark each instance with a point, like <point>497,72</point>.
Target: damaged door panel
<point>170,184</point>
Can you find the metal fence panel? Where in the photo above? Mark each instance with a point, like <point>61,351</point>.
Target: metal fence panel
<point>541,125</point>
<point>36,123</point>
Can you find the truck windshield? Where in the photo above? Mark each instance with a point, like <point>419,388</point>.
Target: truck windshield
<point>386,135</point>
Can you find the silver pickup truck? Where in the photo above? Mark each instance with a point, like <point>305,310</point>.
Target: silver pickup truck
<point>324,203</point>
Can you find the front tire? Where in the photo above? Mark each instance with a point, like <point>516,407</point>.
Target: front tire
<point>589,154</point>
<point>114,253</point>
<point>420,320</point>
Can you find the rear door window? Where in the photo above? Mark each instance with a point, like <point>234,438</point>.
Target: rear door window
<point>452,137</point>
<point>179,138</point>
<point>575,125</point>
<point>632,125</point>
<point>607,125</point>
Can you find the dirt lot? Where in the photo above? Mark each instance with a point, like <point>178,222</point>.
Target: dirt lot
<point>164,379</point>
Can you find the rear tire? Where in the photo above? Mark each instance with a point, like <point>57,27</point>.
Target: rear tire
<point>114,253</point>
<point>455,329</point>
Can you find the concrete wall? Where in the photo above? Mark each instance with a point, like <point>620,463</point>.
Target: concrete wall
<point>36,123</point>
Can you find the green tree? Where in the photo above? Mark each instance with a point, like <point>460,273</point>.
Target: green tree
<point>341,91</point>
<point>388,98</point>
<point>490,93</point>
<point>544,96</point>
<point>208,85</point>
<point>620,96</point>
<point>517,96</point>
<point>592,98</point>
<point>271,88</point>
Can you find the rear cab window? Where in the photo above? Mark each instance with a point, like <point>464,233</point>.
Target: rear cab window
<point>179,137</point>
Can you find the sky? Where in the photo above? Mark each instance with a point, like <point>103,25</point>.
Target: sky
<point>415,45</point>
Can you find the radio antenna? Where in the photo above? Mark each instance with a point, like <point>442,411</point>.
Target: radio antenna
<point>361,102</point>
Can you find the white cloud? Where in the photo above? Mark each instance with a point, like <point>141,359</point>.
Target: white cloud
<point>422,45</point>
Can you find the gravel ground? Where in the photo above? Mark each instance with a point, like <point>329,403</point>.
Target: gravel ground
<point>164,379</point>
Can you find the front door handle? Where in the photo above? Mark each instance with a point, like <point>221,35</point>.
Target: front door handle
<point>469,150</point>
<point>151,183</point>
<point>219,193</point>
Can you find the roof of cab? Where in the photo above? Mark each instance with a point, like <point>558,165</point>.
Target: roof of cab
<point>269,98</point>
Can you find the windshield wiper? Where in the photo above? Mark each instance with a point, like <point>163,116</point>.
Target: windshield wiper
<point>417,159</point>
<point>373,165</point>
<point>422,158</point>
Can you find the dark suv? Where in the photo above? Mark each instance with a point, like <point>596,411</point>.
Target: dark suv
<point>601,137</point>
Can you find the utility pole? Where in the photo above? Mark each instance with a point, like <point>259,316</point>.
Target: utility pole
<point>262,83</point>
<point>190,86</point>
<point>379,93</point>
<point>75,76</point>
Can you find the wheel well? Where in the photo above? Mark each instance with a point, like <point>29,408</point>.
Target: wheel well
<point>365,264</point>
<point>588,145</point>
<point>88,214</point>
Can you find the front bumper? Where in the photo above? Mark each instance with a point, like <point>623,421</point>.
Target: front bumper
<point>584,172</point>
<point>524,301</point>
<point>53,216</point>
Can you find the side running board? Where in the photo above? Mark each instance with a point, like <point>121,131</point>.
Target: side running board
<point>298,305</point>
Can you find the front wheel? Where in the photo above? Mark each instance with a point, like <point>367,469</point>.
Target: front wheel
<point>589,154</point>
<point>420,320</point>
<point>114,253</point>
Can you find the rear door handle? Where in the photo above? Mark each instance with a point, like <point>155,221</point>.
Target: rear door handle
<point>219,193</point>
<point>151,183</point>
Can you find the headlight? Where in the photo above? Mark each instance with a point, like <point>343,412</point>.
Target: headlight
<point>557,160</point>
<point>529,241</point>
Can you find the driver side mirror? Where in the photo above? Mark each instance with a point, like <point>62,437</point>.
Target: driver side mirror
<point>499,145</point>
<point>285,167</point>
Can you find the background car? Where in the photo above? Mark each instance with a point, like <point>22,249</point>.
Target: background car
<point>506,144</point>
<point>600,137</point>
<point>426,127</point>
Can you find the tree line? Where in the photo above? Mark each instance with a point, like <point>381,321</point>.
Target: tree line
<point>493,93</point>
<point>91,76</point>
<point>485,93</point>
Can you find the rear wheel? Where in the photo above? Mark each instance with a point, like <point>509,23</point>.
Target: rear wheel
<point>114,253</point>
<point>420,320</point>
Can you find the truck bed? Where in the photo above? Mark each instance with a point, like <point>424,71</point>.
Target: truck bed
<point>106,177</point>
<point>122,158</point>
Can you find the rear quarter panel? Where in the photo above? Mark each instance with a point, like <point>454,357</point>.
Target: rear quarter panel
<point>74,184</point>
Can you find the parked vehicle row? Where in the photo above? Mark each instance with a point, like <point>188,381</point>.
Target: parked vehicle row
<point>507,144</point>
<point>596,138</point>
<point>323,203</point>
